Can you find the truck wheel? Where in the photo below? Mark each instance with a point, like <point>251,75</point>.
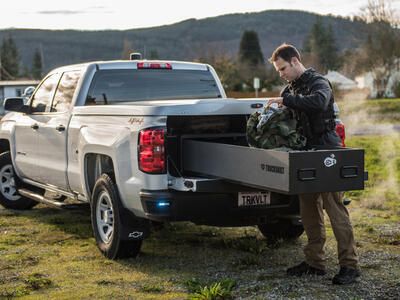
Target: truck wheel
<point>283,229</point>
<point>9,184</point>
<point>106,221</point>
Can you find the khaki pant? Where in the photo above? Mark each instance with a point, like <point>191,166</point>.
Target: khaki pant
<point>312,214</point>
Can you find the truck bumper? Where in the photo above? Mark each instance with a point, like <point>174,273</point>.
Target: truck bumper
<point>220,209</point>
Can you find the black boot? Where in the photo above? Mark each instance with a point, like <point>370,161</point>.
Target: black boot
<point>304,269</point>
<point>346,275</point>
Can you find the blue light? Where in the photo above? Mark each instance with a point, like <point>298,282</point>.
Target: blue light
<point>163,203</point>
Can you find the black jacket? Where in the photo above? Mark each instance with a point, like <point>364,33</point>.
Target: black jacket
<point>312,98</point>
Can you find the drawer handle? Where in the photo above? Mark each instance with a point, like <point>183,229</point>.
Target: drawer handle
<point>306,174</point>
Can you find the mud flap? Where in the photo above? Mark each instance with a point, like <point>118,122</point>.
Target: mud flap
<point>132,227</point>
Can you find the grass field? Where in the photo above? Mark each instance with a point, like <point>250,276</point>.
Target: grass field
<point>51,254</point>
<point>375,111</point>
<point>389,109</point>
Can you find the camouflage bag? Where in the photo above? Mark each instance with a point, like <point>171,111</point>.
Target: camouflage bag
<point>279,130</point>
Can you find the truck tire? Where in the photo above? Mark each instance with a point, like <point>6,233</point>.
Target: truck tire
<point>106,222</point>
<point>9,185</point>
<point>282,229</point>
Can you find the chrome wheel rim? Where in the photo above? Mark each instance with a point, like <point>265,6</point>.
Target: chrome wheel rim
<point>7,183</point>
<point>105,217</point>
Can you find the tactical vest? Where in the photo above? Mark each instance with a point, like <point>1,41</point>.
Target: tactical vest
<point>280,130</point>
<point>313,127</point>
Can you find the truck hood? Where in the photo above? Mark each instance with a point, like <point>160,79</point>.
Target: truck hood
<point>193,107</point>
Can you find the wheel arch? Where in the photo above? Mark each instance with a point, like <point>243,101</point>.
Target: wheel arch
<point>96,164</point>
<point>4,145</point>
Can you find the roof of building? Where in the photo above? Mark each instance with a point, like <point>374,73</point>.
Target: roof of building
<point>18,82</point>
<point>337,78</point>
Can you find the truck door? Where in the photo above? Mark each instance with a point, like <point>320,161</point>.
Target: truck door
<point>28,158</point>
<point>46,161</point>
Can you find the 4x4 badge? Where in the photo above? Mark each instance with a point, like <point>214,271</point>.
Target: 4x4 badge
<point>330,161</point>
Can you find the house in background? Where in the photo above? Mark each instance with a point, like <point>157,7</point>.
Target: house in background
<point>340,81</point>
<point>15,88</point>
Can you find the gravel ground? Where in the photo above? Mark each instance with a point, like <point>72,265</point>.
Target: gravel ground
<point>260,270</point>
<point>378,281</point>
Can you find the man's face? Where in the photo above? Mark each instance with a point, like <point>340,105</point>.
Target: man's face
<point>286,70</point>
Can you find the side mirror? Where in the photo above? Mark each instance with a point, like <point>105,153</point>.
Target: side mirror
<point>13,104</point>
<point>28,92</point>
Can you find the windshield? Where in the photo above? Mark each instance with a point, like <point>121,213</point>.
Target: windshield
<point>116,86</point>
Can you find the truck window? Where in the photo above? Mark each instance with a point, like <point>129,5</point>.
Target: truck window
<point>116,86</point>
<point>41,100</point>
<point>65,91</point>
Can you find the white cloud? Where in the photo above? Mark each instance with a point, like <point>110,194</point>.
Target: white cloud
<point>60,12</point>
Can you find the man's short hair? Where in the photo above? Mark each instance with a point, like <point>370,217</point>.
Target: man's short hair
<point>286,52</point>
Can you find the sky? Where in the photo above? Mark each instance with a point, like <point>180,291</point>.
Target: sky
<point>124,14</point>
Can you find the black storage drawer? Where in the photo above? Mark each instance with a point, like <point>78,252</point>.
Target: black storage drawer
<point>326,170</point>
<point>293,172</point>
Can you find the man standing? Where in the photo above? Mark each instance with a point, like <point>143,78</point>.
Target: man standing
<point>311,96</point>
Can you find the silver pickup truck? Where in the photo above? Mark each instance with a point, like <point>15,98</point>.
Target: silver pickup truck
<point>153,141</point>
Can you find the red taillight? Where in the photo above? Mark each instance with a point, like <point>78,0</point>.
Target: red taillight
<point>153,65</point>
<point>151,151</point>
<point>341,132</point>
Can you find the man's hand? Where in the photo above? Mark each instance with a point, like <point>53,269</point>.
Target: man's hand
<point>278,100</point>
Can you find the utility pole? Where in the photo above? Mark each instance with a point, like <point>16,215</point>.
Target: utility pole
<point>256,85</point>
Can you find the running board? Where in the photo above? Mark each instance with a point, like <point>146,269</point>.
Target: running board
<point>41,199</point>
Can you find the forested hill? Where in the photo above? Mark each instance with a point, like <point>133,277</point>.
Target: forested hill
<point>185,40</point>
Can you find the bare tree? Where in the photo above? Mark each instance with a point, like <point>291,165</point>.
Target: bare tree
<point>127,48</point>
<point>380,11</point>
<point>381,50</point>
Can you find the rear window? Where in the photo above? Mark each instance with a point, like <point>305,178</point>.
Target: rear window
<point>116,86</point>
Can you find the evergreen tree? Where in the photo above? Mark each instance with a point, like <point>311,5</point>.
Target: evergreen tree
<point>37,65</point>
<point>250,50</point>
<point>315,38</point>
<point>9,59</point>
<point>250,62</point>
<point>320,49</point>
<point>330,59</point>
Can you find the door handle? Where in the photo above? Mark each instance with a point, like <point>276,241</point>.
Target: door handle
<point>35,126</point>
<point>60,128</point>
